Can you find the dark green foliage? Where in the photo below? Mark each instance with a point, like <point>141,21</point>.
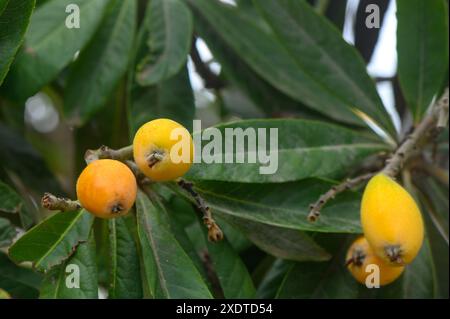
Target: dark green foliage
<point>274,64</point>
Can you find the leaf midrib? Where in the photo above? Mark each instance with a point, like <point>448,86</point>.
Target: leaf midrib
<point>149,235</point>
<point>324,148</point>
<point>268,222</point>
<point>167,38</point>
<point>111,38</point>
<point>174,241</point>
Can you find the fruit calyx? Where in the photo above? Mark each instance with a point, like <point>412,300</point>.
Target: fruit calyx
<point>155,157</point>
<point>357,258</point>
<point>394,254</point>
<point>117,208</point>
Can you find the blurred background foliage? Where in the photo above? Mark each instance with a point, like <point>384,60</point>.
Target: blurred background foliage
<point>313,69</point>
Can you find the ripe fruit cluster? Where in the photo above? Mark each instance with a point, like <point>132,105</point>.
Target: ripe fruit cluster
<point>107,188</point>
<point>393,230</point>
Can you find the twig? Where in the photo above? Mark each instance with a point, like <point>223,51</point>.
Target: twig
<point>52,202</point>
<point>315,208</point>
<point>140,177</point>
<point>214,232</point>
<point>103,152</point>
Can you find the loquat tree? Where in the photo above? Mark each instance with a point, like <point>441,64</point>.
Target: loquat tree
<point>249,154</point>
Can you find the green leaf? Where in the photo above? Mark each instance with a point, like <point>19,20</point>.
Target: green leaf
<point>186,242</point>
<point>235,237</point>
<point>19,157</point>
<point>434,198</point>
<point>52,241</point>
<point>169,271</point>
<point>50,45</point>
<point>268,287</point>
<point>22,161</point>
<point>418,281</point>
<point>232,273</point>
<point>80,269</point>
<point>304,149</point>
<point>3,4</point>
<point>19,282</point>
<point>422,47</point>
<point>280,242</point>
<point>440,258</point>
<point>319,49</point>
<point>10,201</point>
<point>169,41</point>
<point>300,65</point>
<point>7,232</point>
<point>102,63</point>
<point>321,280</point>
<point>14,19</point>
<point>285,205</point>
<point>125,277</point>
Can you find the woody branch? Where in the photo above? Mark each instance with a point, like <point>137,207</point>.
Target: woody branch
<point>433,123</point>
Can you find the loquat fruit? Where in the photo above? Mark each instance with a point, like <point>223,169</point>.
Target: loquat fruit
<point>107,188</point>
<point>163,149</point>
<point>360,255</point>
<point>391,221</point>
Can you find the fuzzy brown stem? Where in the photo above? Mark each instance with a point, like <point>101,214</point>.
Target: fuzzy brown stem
<point>52,202</point>
<point>214,232</point>
<point>427,128</point>
<point>316,207</point>
<point>103,152</point>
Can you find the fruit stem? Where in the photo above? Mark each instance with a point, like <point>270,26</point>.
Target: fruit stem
<point>52,202</point>
<point>121,154</point>
<point>214,232</point>
<point>394,253</point>
<point>430,126</point>
<point>316,207</point>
